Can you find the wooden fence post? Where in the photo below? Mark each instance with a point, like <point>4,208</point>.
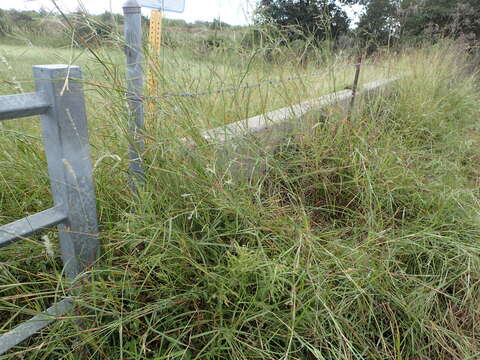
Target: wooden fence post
<point>355,85</point>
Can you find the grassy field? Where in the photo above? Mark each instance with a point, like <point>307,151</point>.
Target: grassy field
<point>359,241</point>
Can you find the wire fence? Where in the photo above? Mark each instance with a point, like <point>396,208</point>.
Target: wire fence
<point>275,82</point>
<point>232,89</point>
<point>247,86</point>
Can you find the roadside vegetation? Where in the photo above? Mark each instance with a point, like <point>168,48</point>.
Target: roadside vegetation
<point>357,240</point>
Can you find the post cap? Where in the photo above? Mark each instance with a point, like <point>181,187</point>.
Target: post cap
<point>131,4</point>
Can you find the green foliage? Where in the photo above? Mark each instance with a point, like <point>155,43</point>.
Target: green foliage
<point>3,23</point>
<point>378,24</point>
<point>442,18</point>
<point>300,19</point>
<point>174,22</point>
<point>217,24</point>
<point>110,18</point>
<point>12,19</point>
<point>384,21</point>
<point>55,30</point>
<point>90,31</point>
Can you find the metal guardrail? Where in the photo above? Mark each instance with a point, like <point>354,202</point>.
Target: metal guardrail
<point>34,325</point>
<point>18,106</point>
<point>30,225</point>
<point>60,102</point>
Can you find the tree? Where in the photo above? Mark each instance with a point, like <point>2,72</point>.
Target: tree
<point>300,18</point>
<point>383,19</point>
<point>456,18</point>
<point>379,23</point>
<point>3,23</point>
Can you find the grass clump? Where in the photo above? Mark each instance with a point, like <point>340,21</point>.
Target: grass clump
<point>359,241</point>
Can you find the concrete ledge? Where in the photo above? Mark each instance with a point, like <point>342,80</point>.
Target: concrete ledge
<point>261,123</point>
<point>243,148</point>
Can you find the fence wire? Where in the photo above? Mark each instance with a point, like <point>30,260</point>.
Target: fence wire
<point>248,86</point>
<point>276,82</point>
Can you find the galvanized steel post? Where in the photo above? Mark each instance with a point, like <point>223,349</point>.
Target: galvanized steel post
<point>65,135</point>
<point>135,79</point>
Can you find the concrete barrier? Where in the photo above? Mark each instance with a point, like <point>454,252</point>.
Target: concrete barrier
<point>244,147</point>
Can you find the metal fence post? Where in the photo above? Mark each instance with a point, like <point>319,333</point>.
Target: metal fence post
<point>135,79</point>
<point>65,136</point>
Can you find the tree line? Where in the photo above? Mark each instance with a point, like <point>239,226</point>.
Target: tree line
<point>381,22</point>
<point>47,28</point>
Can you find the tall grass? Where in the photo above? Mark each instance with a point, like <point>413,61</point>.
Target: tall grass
<point>358,241</point>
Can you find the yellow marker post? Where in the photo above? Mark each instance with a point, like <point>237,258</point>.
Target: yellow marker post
<point>155,42</point>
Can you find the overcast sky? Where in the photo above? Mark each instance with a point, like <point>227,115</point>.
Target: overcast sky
<point>231,11</point>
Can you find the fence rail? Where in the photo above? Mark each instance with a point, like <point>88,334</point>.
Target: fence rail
<point>23,105</point>
<point>60,102</point>
<point>30,225</point>
<point>34,325</point>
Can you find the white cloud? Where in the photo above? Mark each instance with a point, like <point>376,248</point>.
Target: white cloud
<point>230,11</point>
